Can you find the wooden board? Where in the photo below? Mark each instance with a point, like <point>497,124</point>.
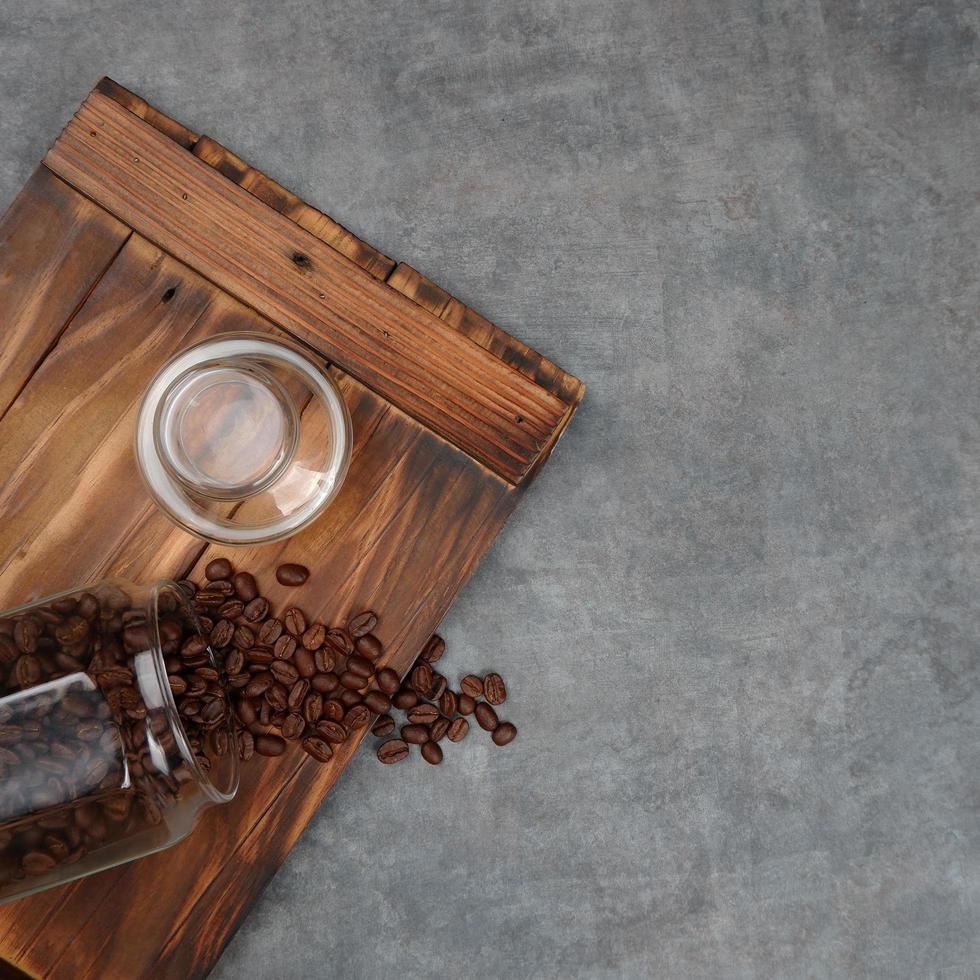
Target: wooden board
<point>104,273</point>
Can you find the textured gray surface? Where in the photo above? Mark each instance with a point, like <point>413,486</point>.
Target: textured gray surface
<point>739,609</point>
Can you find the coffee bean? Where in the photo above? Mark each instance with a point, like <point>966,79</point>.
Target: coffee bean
<point>194,646</point>
<point>360,665</point>
<point>377,702</point>
<point>243,638</point>
<point>458,729</point>
<point>284,672</point>
<point>493,689</point>
<point>278,697</point>
<point>439,685</point>
<point>312,707</point>
<point>421,679</point>
<point>297,694</point>
<point>246,587</point>
<point>438,729</point>
<point>333,710</point>
<point>259,657</point>
<point>285,647</point>
<point>486,717</point>
<point>304,662</point>
<point>232,609</point>
<point>424,714</point>
<point>246,745</point>
<point>357,717</point>
<point>472,685</point>
<point>325,683</point>
<point>331,730</point>
<point>340,641</point>
<point>246,712</point>
<point>415,734</point>
<point>270,631</point>
<point>317,748</point>
<point>434,649</point>
<point>432,753</point>
<point>504,732</point>
<point>465,705</point>
<point>27,671</point>
<point>217,569</point>
<point>177,685</point>
<point>448,703</point>
<point>38,862</point>
<point>235,662</point>
<point>222,633</point>
<point>270,745</point>
<point>351,680</point>
<point>387,680</point>
<point>394,750</point>
<point>260,684</point>
<point>294,621</point>
<point>385,725</point>
<point>256,610</point>
<point>26,635</point>
<point>324,660</point>
<point>292,574</point>
<point>405,699</point>
<point>293,726</point>
<point>369,646</point>
<point>362,624</point>
<point>314,636</point>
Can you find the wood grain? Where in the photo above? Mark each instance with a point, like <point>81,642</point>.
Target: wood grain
<point>54,245</point>
<point>434,373</point>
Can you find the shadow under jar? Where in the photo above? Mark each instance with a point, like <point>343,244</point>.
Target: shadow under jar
<point>115,732</point>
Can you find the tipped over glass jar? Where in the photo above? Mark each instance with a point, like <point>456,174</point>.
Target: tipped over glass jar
<point>115,732</point>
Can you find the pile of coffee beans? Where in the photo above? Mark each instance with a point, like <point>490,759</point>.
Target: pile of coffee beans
<point>86,759</point>
<point>435,712</point>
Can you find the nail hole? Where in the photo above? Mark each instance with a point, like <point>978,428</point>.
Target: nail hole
<point>92,132</point>
<point>169,294</point>
<point>385,332</point>
<point>323,295</point>
<point>520,418</point>
<point>183,197</point>
<point>301,260</point>
<point>136,159</point>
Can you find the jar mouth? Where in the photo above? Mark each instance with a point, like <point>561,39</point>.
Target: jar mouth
<point>225,792</point>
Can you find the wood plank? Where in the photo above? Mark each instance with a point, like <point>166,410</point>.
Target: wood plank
<point>285,202</point>
<point>54,246</point>
<point>140,107</point>
<point>454,386</point>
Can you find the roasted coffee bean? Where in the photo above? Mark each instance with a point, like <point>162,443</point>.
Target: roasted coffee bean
<point>305,664</point>
<point>388,681</point>
<point>317,748</point>
<point>362,624</point>
<point>504,732</point>
<point>340,641</point>
<point>260,684</point>
<point>270,745</point>
<point>434,649</point>
<point>333,710</point>
<point>245,709</point>
<point>245,586</point>
<point>405,699</point>
<point>217,569</point>
<point>465,705</point>
<point>325,683</point>
<point>222,633</point>
<point>177,684</point>
<point>270,631</point>
<point>292,574</point>
<point>432,753</point>
<point>351,680</point>
<point>486,717</point>
<point>349,698</point>
<point>421,679</point>
<point>356,717</point>
<point>493,689</point>
<point>314,636</point>
<point>256,610</point>
<point>385,725</point>
<point>325,660</point>
<point>360,666</point>
<point>293,726</point>
<point>246,745</point>
<point>369,646</point>
<point>26,634</point>
<point>194,646</point>
<point>88,605</point>
<point>284,672</point>
<point>439,685</point>
<point>332,731</point>
<point>235,662</point>
<point>243,638</point>
<point>312,707</point>
<point>265,712</point>
<point>278,697</point>
<point>424,714</point>
<point>472,685</point>
<point>415,734</point>
<point>297,693</point>
<point>27,671</point>
<point>285,647</point>
<point>458,729</point>
<point>232,609</point>
<point>394,750</point>
<point>438,729</point>
<point>259,656</point>
<point>377,702</point>
<point>8,651</point>
<point>209,600</point>
<point>294,621</point>
<point>448,703</point>
<point>38,862</point>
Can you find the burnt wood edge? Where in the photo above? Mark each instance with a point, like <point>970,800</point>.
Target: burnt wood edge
<point>400,276</point>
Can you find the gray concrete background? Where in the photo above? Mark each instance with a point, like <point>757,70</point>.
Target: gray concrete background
<point>739,610</point>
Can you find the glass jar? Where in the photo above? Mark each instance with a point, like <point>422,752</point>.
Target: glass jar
<point>115,732</point>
